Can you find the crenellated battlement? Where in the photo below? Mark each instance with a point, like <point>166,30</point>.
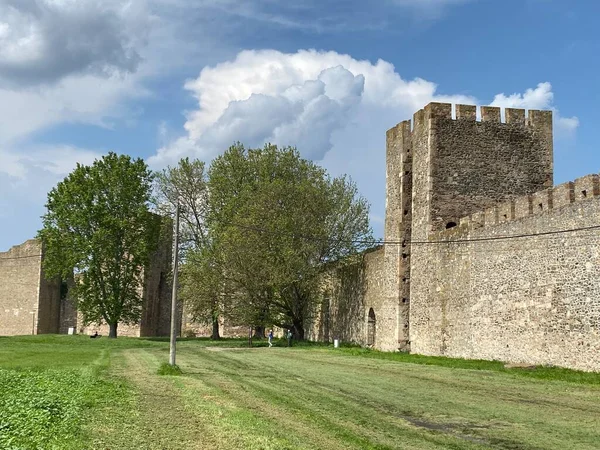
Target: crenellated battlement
<point>528,118</point>
<point>536,204</point>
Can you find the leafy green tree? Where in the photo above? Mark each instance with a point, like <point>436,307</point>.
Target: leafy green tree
<point>185,185</point>
<point>277,219</point>
<point>201,287</point>
<point>99,227</point>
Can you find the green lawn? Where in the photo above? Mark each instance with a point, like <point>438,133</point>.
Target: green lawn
<point>71,392</point>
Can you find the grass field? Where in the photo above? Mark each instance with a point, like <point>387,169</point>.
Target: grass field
<point>71,392</point>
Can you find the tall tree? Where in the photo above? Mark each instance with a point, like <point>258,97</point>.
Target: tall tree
<point>185,185</point>
<point>277,218</point>
<point>98,226</point>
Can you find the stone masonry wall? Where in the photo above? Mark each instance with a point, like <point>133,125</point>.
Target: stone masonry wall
<point>19,287</point>
<point>156,293</point>
<point>349,291</point>
<point>49,305</point>
<point>532,299</point>
<point>471,165</point>
<point>156,312</point>
<point>398,214</point>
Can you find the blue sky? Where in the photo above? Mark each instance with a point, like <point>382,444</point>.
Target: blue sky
<point>161,79</point>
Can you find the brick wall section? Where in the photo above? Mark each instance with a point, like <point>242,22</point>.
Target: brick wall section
<point>19,286</point>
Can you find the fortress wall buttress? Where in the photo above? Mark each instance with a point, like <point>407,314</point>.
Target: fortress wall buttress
<point>392,310</point>
<point>156,310</point>
<point>379,278</point>
<point>49,304</point>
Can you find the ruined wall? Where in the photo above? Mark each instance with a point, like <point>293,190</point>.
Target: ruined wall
<point>19,287</point>
<point>156,293</point>
<point>533,299</point>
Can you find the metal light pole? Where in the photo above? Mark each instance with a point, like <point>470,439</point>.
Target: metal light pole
<point>174,294</point>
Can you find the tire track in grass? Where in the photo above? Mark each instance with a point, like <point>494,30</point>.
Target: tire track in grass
<point>155,417</point>
<point>318,411</point>
<point>573,430</point>
<point>465,389</point>
<point>250,422</point>
<point>521,431</point>
<point>268,414</point>
<point>378,427</point>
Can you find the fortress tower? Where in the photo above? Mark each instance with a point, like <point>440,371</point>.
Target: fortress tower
<point>444,169</point>
<point>462,166</point>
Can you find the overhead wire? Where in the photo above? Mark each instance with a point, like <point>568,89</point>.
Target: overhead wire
<point>377,242</point>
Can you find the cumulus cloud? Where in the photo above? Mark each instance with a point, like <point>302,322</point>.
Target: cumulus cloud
<point>302,98</point>
<point>333,107</point>
<point>540,97</point>
<point>44,40</point>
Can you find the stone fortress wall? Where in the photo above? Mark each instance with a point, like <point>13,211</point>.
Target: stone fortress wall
<point>31,304</point>
<point>531,299</point>
<point>483,257</point>
<point>20,270</point>
<point>453,278</point>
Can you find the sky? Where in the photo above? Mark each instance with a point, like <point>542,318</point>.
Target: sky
<point>166,79</point>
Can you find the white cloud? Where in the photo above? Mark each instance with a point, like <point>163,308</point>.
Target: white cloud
<point>54,161</point>
<point>540,97</point>
<point>301,98</point>
<point>332,16</point>
<point>333,107</point>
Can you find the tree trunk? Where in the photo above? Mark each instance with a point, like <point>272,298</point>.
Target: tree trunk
<point>298,330</point>
<point>215,330</point>
<point>112,333</point>
<point>259,332</point>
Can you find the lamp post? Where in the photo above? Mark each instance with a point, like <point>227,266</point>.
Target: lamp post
<point>174,292</point>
